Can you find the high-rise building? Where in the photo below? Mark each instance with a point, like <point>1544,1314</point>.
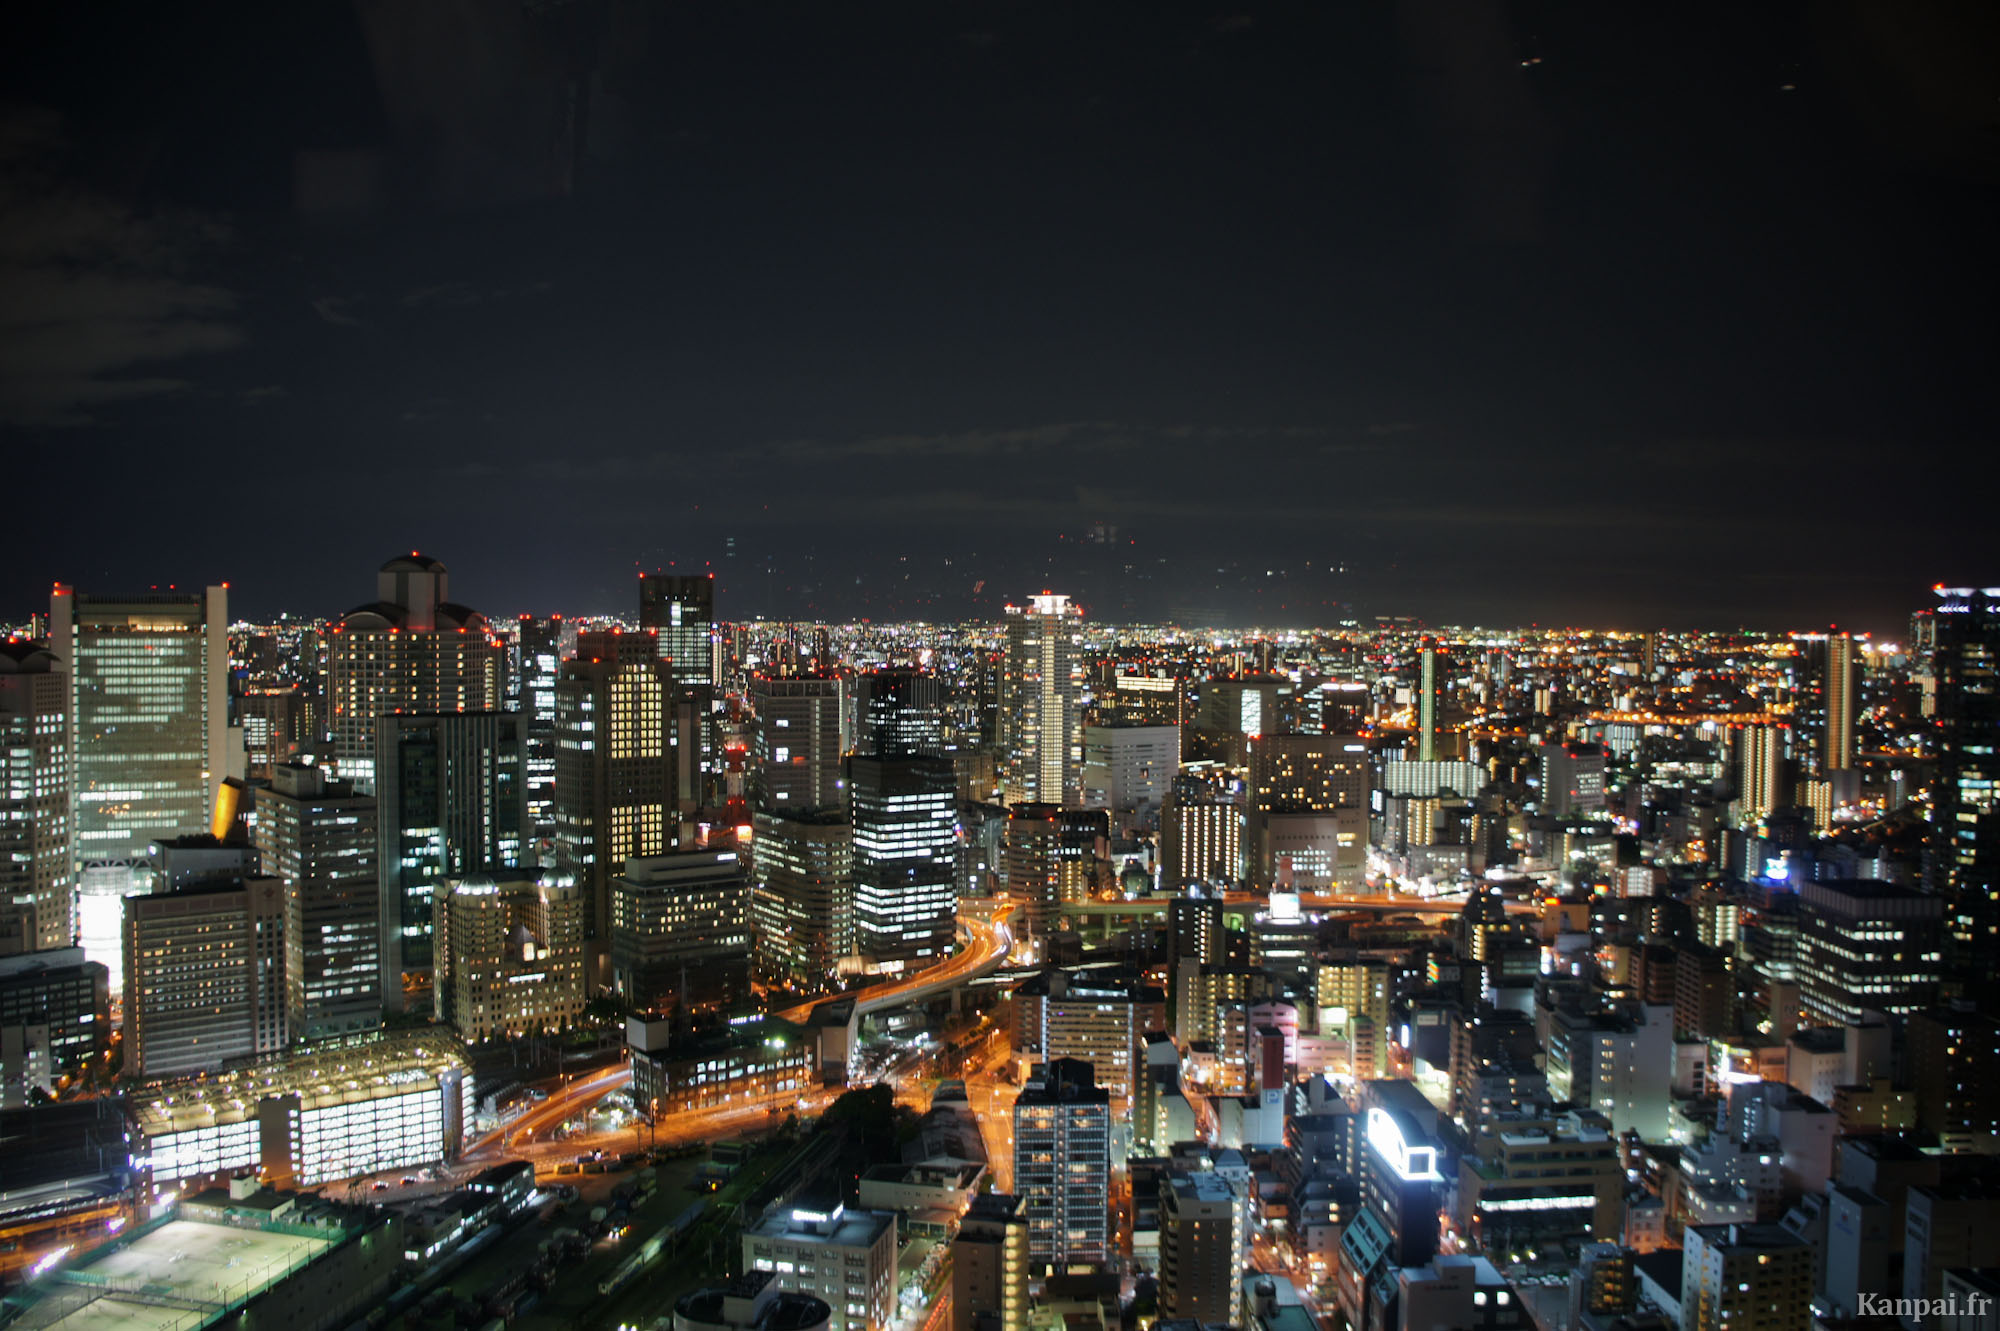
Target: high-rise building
<point>537,657</point>
<point>149,737</point>
<point>1202,1248</point>
<point>60,1002</point>
<point>905,859</point>
<point>1127,769</point>
<point>1427,699</point>
<point>1868,947</point>
<point>1307,815</point>
<point>989,1266</point>
<point>803,896</point>
<point>37,874</point>
<point>318,838</point>
<point>1734,1277</point>
<point>615,797</point>
<point>847,1258</point>
<point>410,650</point>
<point>1062,1166</point>
<point>680,609</point>
<point>1400,1182</point>
<point>899,713</point>
<point>450,800</point>
<point>1049,856</point>
<point>681,932</point>
<point>1963,859</point>
<point>274,726</point>
<point>509,955</point>
<point>1759,766</point>
<point>1039,740</point>
<point>1572,779</point>
<point>798,741</point>
<point>1201,834</point>
<point>205,970</point>
<point>1842,704</point>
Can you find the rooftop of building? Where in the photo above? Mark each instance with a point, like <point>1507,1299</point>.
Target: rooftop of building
<point>925,1173</point>
<point>1747,1237</point>
<point>344,1071</point>
<point>24,965</point>
<point>1202,1186</point>
<point>838,1227</point>
<point>747,1301</point>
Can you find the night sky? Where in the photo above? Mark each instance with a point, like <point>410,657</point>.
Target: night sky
<point>1623,315</point>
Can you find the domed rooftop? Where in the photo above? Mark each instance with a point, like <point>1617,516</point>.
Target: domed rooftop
<point>18,656</point>
<point>413,563</point>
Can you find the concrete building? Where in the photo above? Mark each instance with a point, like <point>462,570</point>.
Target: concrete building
<point>1540,1181</point>
<point>989,1266</point>
<point>615,797</point>
<point>58,1002</point>
<point>1038,718</point>
<point>37,783</point>
<point>1572,779</point>
<point>1307,820</point>
<point>1203,1228</point>
<point>412,649</point>
<point>1201,834</point>
<point>1127,769</point>
<point>148,683</point>
<point>1062,1165</point>
<point>1745,1278</point>
<point>207,976</point>
<point>318,838</point>
<point>679,610</point>
<point>847,1258</point>
<point>451,799</point>
<point>802,896</point>
<point>1091,1016</point>
<point>1868,947</point>
<point>509,955</point>
<point>681,932</point>
<point>755,1062</point>
<point>1618,1064</point>
<point>752,1301</point>
<point>798,741</point>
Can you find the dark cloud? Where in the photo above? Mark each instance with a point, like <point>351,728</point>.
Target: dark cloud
<point>98,305</point>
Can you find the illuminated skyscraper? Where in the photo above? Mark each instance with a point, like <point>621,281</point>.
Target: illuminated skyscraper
<point>37,875</point>
<point>803,896</point>
<point>1049,857</point>
<point>538,655</point>
<point>899,713</point>
<point>1759,763</point>
<point>509,955</point>
<point>409,650</point>
<point>614,770</point>
<point>1427,704</point>
<point>205,976</point>
<point>1965,804</point>
<point>798,742</point>
<point>451,800</point>
<point>149,731</point>
<point>1062,1165</point>
<point>681,932</point>
<point>318,838</point>
<point>905,853</point>
<point>1201,834</point>
<point>1039,737</point>
<point>680,608</point>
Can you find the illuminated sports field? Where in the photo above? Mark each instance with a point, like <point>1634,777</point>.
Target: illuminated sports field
<point>216,1265</point>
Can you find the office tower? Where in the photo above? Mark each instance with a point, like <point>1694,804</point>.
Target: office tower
<point>318,838</point>
<point>1094,1017</point>
<point>1202,1248</point>
<point>1964,855</point>
<point>1307,816</point>
<point>509,955</point>
<point>1842,704</point>
<point>410,650</point>
<point>1955,1065</point>
<point>681,932</point>
<point>1264,705</point>
<point>905,856</point>
<point>615,796</point>
<point>1049,855</point>
<point>1127,769</point>
<point>37,875</point>
<point>803,898</point>
<point>1201,834</point>
<point>1758,763</point>
<point>1745,1276</point>
<point>58,1001</point>
<point>680,609</point>
<point>1400,1183</point>
<point>1062,1166</point>
<point>205,976</point>
<point>1038,737</point>
<point>1868,947</point>
<point>149,737</point>
<point>899,712</point>
<point>798,742</point>
<point>845,1257</point>
<point>1572,779</point>
<point>1196,937</point>
<point>450,800</point>
<point>989,1266</point>
<point>273,721</point>
<point>1427,703</point>
<point>538,656</point>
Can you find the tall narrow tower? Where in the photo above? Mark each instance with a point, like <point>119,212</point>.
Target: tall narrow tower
<point>1427,717</point>
<point>1040,743</point>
